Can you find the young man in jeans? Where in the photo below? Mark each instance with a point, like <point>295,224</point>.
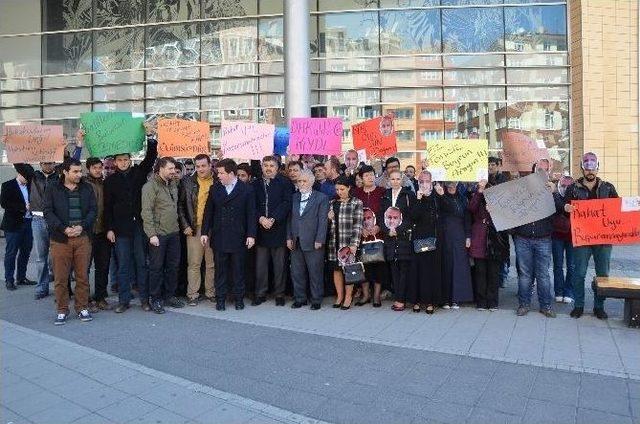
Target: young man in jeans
<point>70,211</point>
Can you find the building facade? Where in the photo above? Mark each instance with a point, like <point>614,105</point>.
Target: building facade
<point>559,74</point>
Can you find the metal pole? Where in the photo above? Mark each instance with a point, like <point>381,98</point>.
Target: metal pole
<point>296,59</point>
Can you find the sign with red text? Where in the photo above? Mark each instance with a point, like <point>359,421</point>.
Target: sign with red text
<point>376,136</point>
<point>246,140</point>
<point>315,136</point>
<point>181,138</point>
<point>32,143</point>
<point>605,221</point>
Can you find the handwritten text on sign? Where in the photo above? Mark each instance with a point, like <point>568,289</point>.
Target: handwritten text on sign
<point>110,133</point>
<point>32,143</point>
<point>245,140</point>
<point>519,202</point>
<point>458,160</point>
<point>603,221</point>
<point>183,139</point>
<point>368,135</point>
<point>316,136</point>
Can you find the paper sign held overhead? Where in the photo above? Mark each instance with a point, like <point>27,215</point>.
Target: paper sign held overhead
<point>520,152</point>
<point>111,133</point>
<point>181,138</point>
<point>315,136</point>
<point>246,140</point>
<point>376,136</point>
<point>458,160</point>
<point>603,221</point>
<point>32,143</point>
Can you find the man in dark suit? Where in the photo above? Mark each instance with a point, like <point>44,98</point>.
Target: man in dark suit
<point>306,236</point>
<point>230,225</point>
<point>16,224</point>
<point>273,204</point>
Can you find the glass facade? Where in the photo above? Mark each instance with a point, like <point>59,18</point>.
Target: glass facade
<point>446,68</point>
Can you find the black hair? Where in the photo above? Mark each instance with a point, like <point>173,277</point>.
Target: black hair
<point>391,160</point>
<point>495,160</point>
<point>295,162</point>
<point>343,180</point>
<point>201,156</point>
<point>244,166</point>
<point>69,162</point>
<point>92,161</point>
<point>162,162</point>
<point>229,165</point>
<point>366,168</point>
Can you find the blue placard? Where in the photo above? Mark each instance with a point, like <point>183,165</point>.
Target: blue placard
<point>281,140</point>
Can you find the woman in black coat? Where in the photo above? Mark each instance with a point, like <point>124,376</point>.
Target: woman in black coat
<point>396,228</point>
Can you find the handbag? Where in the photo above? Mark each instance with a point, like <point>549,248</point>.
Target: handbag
<point>372,251</point>
<point>427,244</point>
<point>353,273</point>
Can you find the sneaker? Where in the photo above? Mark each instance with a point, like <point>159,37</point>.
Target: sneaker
<point>493,309</point>
<point>193,302</point>
<point>446,307</point>
<point>522,311</point>
<point>567,299</point>
<point>559,299</point>
<point>157,307</point>
<point>600,313</point>
<point>174,302</point>
<point>26,282</point>
<point>61,319</point>
<point>481,309</point>
<point>548,312</point>
<point>85,316</point>
<point>455,306</point>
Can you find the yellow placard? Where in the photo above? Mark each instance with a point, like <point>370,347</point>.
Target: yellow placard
<point>458,159</point>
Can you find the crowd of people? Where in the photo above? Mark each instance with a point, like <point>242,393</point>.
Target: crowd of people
<point>304,228</point>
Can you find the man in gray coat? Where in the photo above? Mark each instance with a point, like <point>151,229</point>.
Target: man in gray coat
<point>306,236</point>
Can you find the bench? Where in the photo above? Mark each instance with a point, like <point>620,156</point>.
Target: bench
<point>623,288</point>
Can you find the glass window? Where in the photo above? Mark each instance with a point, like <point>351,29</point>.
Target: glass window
<point>229,8</point>
<point>472,30</point>
<point>172,47</point>
<point>66,53</point>
<point>405,135</point>
<point>473,61</point>
<point>539,59</point>
<point>119,12</point>
<point>348,34</point>
<point>326,5</point>
<point>367,112</point>
<point>538,76</point>
<point>475,120</point>
<point>172,10</point>
<point>408,3</point>
<point>405,95</point>
<point>349,97</point>
<point>468,2</point>
<point>270,39</point>
<point>413,31</point>
<point>230,41</point>
<point>536,28</point>
<point>229,86</point>
<point>349,80</point>
<point>411,62</point>
<point>537,93</point>
<point>474,93</point>
<point>172,106</point>
<point>474,77</point>
<point>431,113</point>
<point>403,113</point>
<point>21,58</point>
<point>64,14</point>
<point>416,78</point>
<point>430,135</point>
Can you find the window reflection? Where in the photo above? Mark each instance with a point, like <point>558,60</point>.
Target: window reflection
<point>349,34</point>
<point>472,30</point>
<point>535,28</point>
<point>172,10</point>
<point>413,31</point>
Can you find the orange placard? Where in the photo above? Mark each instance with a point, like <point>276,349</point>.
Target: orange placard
<point>32,143</point>
<point>183,139</point>
<point>605,221</point>
<point>377,136</point>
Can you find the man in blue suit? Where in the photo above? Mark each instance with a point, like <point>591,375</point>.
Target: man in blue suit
<point>229,225</point>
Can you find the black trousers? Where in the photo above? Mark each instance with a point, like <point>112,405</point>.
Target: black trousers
<point>487,279</point>
<point>230,270</point>
<point>278,255</point>
<point>163,267</point>
<point>307,266</point>
<point>101,257</point>
<point>403,291</point>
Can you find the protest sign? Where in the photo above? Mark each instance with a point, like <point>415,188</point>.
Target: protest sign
<point>368,135</point>
<point>110,133</point>
<point>458,160</point>
<point>605,221</point>
<point>519,202</point>
<point>183,139</point>
<point>281,141</point>
<point>315,136</point>
<point>520,152</point>
<point>245,140</point>
<point>31,143</point>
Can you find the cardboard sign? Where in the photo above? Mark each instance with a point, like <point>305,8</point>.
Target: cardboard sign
<point>111,133</point>
<point>315,136</point>
<point>458,160</point>
<point>519,202</point>
<point>520,152</point>
<point>32,143</point>
<point>375,136</point>
<point>244,140</point>
<point>605,221</point>
<point>183,139</point>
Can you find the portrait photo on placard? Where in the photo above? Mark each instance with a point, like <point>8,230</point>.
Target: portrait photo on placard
<point>345,256</point>
<point>392,217</point>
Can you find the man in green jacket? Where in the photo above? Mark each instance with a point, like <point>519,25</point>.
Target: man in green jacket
<point>160,221</point>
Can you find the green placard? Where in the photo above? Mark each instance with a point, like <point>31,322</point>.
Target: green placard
<point>110,133</point>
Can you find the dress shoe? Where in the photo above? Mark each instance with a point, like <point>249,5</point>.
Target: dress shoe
<point>11,285</point>
<point>114,288</point>
<point>296,304</point>
<point>315,306</point>
<point>157,307</point>
<point>377,304</point>
<point>239,305</point>
<point>174,302</point>
<point>577,312</point>
<point>123,307</point>
<point>26,282</point>
<point>39,296</point>
<point>280,301</point>
<point>259,300</point>
<point>220,305</point>
<point>600,313</point>
<point>145,306</point>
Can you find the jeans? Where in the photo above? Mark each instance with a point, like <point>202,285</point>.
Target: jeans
<point>562,284</point>
<point>163,267</point>
<point>601,258</point>
<point>19,244</point>
<point>533,261</point>
<point>41,243</point>
<point>131,253</point>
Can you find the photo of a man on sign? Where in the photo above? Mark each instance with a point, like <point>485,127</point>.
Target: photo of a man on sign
<point>393,218</point>
<point>386,125</point>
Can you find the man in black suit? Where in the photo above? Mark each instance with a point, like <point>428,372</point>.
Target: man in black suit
<point>16,224</point>
<point>230,226</point>
<point>306,237</point>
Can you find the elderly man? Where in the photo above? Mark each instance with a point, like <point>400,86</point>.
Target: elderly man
<point>306,236</point>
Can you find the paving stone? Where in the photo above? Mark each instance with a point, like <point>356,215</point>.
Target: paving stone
<point>543,412</point>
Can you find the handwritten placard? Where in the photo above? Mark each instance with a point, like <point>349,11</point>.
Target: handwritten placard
<point>458,160</point>
<point>315,136</point>
<point>520,152</point>
<point>519,202</point>
<point>31,143</point>
<point>376,136</point>
<point>181,138</point>
<point>110,133</point>
<point>603,221</point>
<point>246,140</point>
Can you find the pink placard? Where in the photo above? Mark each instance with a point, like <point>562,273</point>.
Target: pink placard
<point>316,136</point>
<point>245,140</point>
